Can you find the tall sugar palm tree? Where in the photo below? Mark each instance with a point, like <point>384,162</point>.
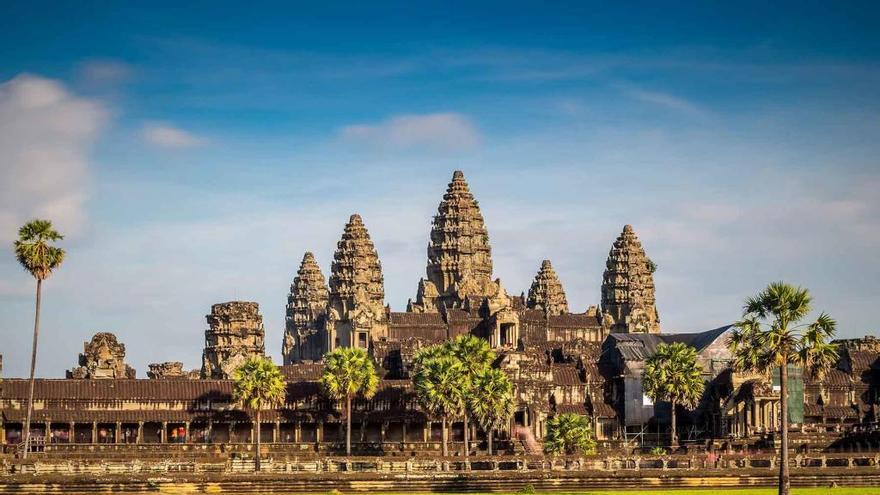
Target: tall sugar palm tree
<point>491,401</point>
<point>258,385</point>
<point>441,385</point>
<point>673,375</point>
<point>37,255</point>
<point>475,356</point>
<point>349,372</point>
<point>773,335</point>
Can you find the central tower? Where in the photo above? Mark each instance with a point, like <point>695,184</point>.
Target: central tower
<point>459,256</point>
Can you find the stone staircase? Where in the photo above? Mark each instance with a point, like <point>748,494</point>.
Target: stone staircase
<point>531,446</point>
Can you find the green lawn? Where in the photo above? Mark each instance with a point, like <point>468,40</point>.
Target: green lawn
<point>712,491</point>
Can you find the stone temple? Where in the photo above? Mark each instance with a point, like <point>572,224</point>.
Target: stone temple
<point>561,359</point>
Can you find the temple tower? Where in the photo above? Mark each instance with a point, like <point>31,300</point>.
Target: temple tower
<point>628,287</point>
<point>234,334</point>
<point>306,310</point>
<point>102,357</point>
<point>546,292</point>
<point>356,313</point>
<point>459,256</point>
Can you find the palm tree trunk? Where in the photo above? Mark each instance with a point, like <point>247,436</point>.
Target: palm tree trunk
<point>674,440</point>
<point>467,445</point>
<point>257,463</point>
<point>30,405</point>
<point>445,435</point>
<point>348,426</point>
<point>490,432</point>
<point>784,482</point>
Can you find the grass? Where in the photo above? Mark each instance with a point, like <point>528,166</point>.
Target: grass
<point>709,491</point>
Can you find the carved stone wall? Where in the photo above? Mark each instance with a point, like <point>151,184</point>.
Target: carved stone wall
<point>357,313</point>
<point>628,286</point>
<point>546,292</point>
<point>306,312</point>
<point>102,357</point>
<point>459,256</point>
<point>235,333</point>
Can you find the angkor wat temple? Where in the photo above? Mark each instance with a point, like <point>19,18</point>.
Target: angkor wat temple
<point>561,361</point>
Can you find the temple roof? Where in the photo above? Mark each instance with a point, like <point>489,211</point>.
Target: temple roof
<point>546,292</point>
<point>628,286</point>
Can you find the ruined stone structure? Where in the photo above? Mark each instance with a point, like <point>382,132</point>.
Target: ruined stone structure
<point>546,292</point>
<point>170,370</point>
<point>560,361</point>
<point>628,286</point>
<point>102,357</point>
<point>235,333</point>
<point>306,312</point>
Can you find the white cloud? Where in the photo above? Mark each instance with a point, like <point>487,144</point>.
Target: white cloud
<point>167,136</point>
<point>436,131</point>
<point>46,135</point>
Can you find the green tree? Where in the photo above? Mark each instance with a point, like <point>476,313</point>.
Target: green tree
<point>673,375</point>
<point>569,434</point>
<point>491,401</point>
<point>258,385</point>
<point>441,384</point>
<point>476,357</point>
<point>349,372</point>
<point>772,335</point>
<point>37,255</point>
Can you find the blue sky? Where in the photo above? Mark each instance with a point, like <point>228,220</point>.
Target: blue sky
<point>191,153</point>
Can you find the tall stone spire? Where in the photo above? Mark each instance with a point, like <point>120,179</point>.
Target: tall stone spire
<point>459,256</point>
<point>357,291</point>
<point>306,309</point>
<point>628,287</point>
<point>546,291</point>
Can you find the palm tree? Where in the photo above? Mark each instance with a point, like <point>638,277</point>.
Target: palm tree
<point>673,375</point>
<point>348,372</point>
<point>441,385</point>
<point>771,336</point>
<point>35,252</point>
<point>491,401</point>
<point>258,384</point>
<point>476,356</point>
<point>569,434</point>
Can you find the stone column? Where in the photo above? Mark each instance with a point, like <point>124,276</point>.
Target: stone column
<point>118,433</point>
<point>319,431</point>
<point>186,432</point>
<point>140,433</point>
<point>382,429</point>
<point>426,432</point>
<point>231,429</point>
<point>403,438</point>
<point>209,432</point>
<point>276,433</point>
<point>297,432</point>
<point>164,436</point>
<point>94,432</point>
<point>2,433</point>
<point>71,433</point>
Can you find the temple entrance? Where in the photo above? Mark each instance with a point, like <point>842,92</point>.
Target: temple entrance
<point>508,334</point>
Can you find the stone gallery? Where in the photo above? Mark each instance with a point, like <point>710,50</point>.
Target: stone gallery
<point>560,361</point>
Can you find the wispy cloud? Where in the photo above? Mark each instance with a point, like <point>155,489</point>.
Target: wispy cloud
<point>104,71</point>
<point>665,100</point>
<point>46,136</point>
<point>437,131</point>
<point>165,135</point>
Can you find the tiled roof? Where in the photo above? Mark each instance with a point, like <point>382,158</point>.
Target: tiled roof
<point>571,409</point>
<point>566,374</point>
<point>574,320</point>
<point>416,319</point>
<point>302,371</point>
<point>118,389</point>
